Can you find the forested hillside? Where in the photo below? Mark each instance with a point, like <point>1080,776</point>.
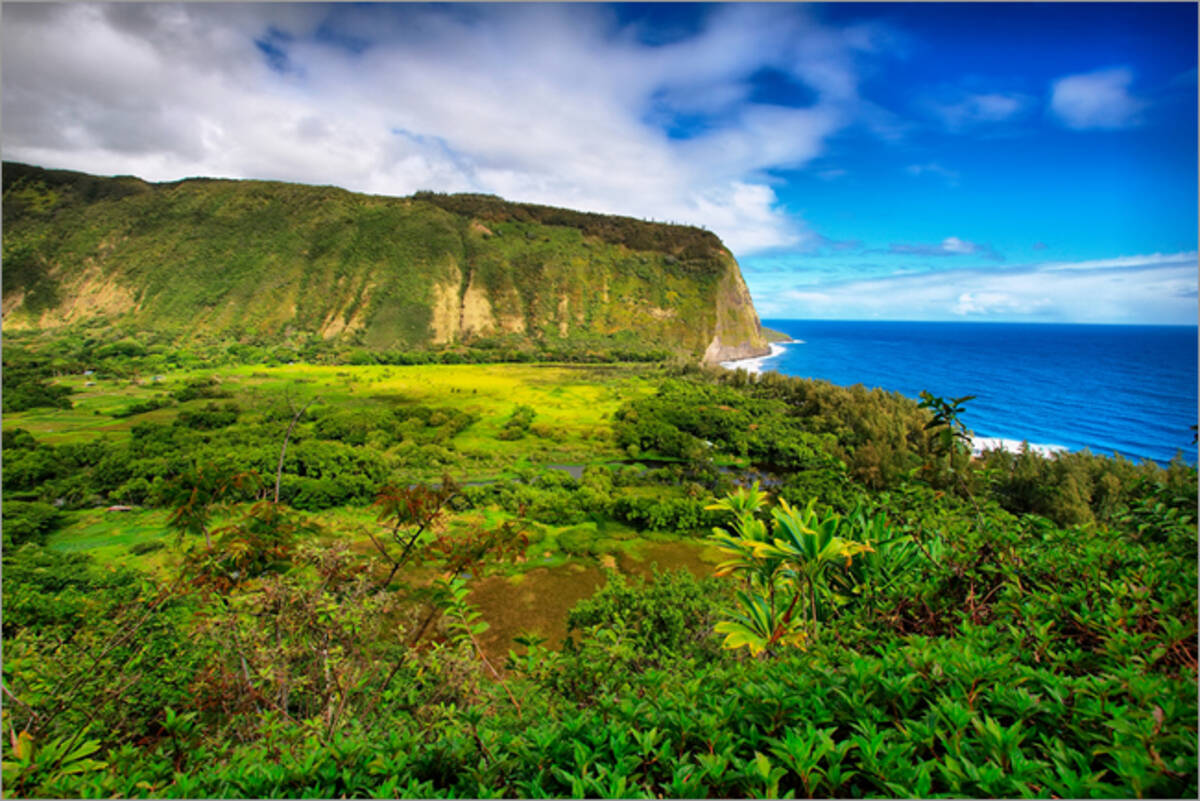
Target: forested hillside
<point>266,263</point>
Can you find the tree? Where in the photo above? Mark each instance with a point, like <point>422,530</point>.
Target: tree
<point>953,444</point>
<point>410,512</point>
<point>785,566</point>
<point>201,492</point>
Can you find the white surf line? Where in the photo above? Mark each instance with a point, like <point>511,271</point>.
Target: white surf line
<point>981,444</point>
<point>755,365</point>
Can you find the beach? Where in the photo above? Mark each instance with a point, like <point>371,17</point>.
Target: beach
<point>981,444</point>
<point>755,365</point>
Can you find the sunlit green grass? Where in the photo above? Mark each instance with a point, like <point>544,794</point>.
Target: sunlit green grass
<point>108,536</point>
<point>574,406</point>
<point>559,565</point>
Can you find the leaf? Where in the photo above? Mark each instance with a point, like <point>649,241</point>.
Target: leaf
<point>23,746</point>
<point>89,747</point>
<point>738,635</point>
<point>763,765</point>
<point>84,765</point>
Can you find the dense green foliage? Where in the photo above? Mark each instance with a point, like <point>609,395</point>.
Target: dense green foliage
<point>289,268</point>
<point>23,392</point>
<point>28,522</point>
<point>699,249</point>
<point>28,383</point>
<point>927,623</point>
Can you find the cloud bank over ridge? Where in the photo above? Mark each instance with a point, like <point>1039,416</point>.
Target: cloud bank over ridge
<point>538,103</point>
<point>826,144</point>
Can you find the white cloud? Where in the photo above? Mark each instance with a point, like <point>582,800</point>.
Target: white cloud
<point>968,110</point>
<point>1096,100</point>
<point>540,103</point>
<point>992,303</point>
<point>950,246</point>
<point>1127,262</point>
<point>1136,289</point>
<point>797,296</point>
<point>933,168</point>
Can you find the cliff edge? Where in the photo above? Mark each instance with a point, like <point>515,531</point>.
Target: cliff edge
<point>261,261</point>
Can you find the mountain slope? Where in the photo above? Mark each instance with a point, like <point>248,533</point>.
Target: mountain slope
<point>256,259</point>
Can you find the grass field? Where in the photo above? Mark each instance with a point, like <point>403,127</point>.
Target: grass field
<point>573,403</point>
<point>574,406</point>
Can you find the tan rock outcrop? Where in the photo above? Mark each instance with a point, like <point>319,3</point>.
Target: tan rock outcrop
<point>476,317</point>
<point>738,332</point>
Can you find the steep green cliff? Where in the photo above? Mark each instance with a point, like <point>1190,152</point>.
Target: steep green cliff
<point>265,259</point>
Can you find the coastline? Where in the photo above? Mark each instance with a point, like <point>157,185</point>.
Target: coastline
<point>979,444</point>
<point>1128,390</point>
<point>755,364</point>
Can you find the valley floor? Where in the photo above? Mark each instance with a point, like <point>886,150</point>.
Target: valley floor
<point>503,579</point>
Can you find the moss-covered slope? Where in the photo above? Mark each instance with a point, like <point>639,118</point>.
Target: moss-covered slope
<point>265,259</point>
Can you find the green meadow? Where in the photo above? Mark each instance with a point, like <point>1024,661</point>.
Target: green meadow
<point>570,579</point>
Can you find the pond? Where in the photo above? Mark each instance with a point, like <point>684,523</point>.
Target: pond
<point>538,600</point>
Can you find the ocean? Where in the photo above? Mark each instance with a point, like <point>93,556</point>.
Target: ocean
<point>1108,388</point>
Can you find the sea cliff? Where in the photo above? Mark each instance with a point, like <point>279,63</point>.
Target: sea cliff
<point>269,261</point>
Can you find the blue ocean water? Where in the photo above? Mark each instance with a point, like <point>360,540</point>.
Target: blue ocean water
<point>1109,388</point>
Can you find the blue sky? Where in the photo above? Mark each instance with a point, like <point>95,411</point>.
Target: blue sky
<point>896,161</point>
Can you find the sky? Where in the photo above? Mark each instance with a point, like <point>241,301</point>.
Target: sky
<point>990,161</point>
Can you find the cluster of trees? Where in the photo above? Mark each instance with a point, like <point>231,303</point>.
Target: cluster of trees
<point>891,618</point>
<point>879,435</point>
<point>102,353</point>
<point>983,654</point>
<point>661,499</point>
<point>826,440</point>
<point>336,456</point>
<point>517,425</point>
<point>24,391</point>
<point>108,353</point>
<point>28,382</point>
<point>700,249</point>
<point>1077,488</point>
<point>691,420</point>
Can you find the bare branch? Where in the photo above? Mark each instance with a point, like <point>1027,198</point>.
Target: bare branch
<point>283,450</point>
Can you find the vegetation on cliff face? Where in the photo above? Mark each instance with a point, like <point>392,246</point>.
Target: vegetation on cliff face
<point>270,262</point>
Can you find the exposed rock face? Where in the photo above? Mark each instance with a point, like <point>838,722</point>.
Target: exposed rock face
<point>81,295</point>
<point>476,313</point>
<point>738,333</point>
<point>263,261</point>
<point>447,310</point>
<point>719,351</point>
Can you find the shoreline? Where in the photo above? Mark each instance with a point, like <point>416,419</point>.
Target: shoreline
<point>755,363</point>
<point>981,444</point>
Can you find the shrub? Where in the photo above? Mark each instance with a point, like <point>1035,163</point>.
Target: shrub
<point>24,392</point>
<point>517,426</point>
<point>29,522</point>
